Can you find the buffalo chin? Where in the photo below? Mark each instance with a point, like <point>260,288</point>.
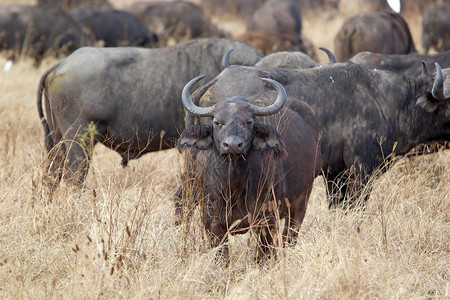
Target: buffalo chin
<point>233,157</point>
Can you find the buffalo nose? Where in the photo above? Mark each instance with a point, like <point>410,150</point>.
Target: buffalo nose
<point>232,145</point>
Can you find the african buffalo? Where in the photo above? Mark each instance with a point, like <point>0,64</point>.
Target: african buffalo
<point>113,27</point>
<point>364,115</point>
<point>383,32</point>
<point>408,65</point>
<point>276,26</point>
<point>436,28</point>
<point>175,21</point>
<point>252,167</point>
<point>37,31</point>
<point>281,16</point>
<point>405,64</point>
<point>126,98</point>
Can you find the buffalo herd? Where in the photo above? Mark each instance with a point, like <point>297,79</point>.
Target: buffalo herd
<point>254,115</point>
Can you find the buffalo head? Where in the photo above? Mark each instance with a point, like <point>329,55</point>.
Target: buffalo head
<point>431,101</point>
<point>234,129</point>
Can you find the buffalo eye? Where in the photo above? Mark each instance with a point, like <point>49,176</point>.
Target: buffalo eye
<point>249,122</point>
<point>217,123</point>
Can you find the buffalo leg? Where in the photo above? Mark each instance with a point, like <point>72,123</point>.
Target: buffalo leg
<point>347,190</point>
<point>219,238</point>
<point>56,155</point>
<point>79,143</point>
<point>266,239</point>
<point>336,189</point>
<point>217,232</point>
<point>295,216</point>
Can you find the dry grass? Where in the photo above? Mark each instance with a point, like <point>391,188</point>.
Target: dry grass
<point>116,238</point>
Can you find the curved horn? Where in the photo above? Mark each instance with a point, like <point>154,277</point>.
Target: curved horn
<point>331,57</point>
<point>189,104</point>
<point>277,105</point>
<point>425,71</point>
<point>226,59</point>
<point>438,85</point>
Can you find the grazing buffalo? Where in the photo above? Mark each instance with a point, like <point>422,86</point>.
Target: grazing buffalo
<point>436,28</point>
<point>126,98</point>
<point>276,26</point>
<point>37,31</point>
<point>406,64</point>
<point>364,115</point>
<point>113,27</point>
<point>282,16</point>
<point>175,21</point>
<point>252,167</point>
<point>383,32</point>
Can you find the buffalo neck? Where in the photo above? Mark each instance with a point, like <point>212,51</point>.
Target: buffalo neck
<point>239,178</point>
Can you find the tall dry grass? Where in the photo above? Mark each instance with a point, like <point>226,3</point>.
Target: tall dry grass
<point>116,238</point>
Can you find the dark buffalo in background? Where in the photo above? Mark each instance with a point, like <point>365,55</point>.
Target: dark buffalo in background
<point>405,64</point>
<point>38,31</point>
<point>252,167</point>
<point>277,26</point>
<point>436,28</point>
<point>127,98</point>
<point>364,115</point>
<point>277,16</point>
<point>386,33</point>
<point>69,4</point>
<point>175,21</point>
<point>113,28</point>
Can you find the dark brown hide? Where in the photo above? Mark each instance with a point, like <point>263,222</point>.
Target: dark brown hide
<point>363,114</point>
<point>384,33</point>
<point>175,21</point>
<point>436,28</point>
<point>267,175</point>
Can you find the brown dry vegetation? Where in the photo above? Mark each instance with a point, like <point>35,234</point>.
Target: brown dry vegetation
<point>116,238</point>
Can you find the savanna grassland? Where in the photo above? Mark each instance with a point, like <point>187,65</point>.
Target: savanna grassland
<point>116,238</point>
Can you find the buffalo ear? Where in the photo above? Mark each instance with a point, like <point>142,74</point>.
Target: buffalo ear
<point>427,102</point>
<point>267,138</point>
<point>198,136</point>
